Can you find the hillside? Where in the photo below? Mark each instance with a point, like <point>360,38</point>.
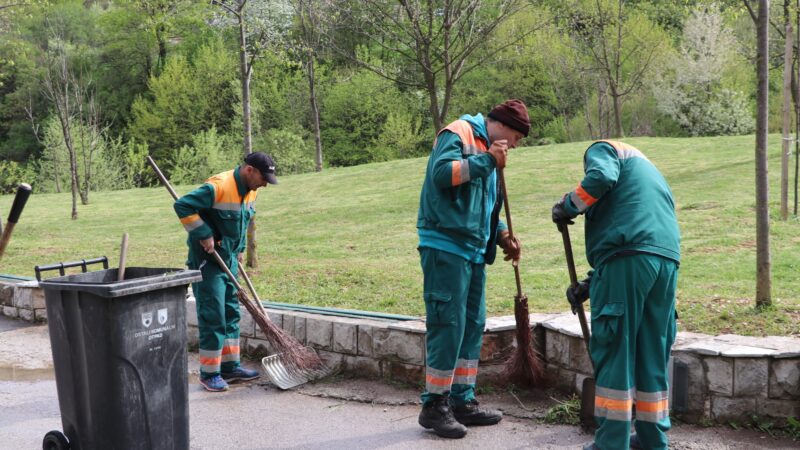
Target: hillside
<point>347,238</point>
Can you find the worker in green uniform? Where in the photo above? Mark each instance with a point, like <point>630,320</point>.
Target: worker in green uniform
<point>216,216</point>
<point>459,228</point>
<point>633,246</point>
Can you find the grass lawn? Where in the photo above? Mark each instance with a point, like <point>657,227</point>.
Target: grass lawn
<point>347,237</point>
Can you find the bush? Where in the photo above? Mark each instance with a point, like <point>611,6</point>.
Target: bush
<point>208,155</point>
<point>401,138</point>
<point>290,152</point>
<point>12,174</point>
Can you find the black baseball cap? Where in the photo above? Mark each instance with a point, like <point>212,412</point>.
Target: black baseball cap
<point>264,163</point>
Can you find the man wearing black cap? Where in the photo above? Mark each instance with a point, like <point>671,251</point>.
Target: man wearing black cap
<point>459,228</point>
<point>216,216</point>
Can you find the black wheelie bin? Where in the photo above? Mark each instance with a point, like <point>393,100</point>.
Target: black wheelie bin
<point>119,353</point>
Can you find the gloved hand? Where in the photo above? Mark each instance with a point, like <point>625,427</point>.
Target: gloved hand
<point>512,248</point>
<point>560,215</point>
<point>578,294</point>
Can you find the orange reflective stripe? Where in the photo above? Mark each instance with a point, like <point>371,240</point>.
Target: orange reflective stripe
<point>466,371</point>
<point>610,403</point>
<point>661,405</point>
<point>585,196</point>
<point>456,177</point>
<point>211,361</point>
<point>438,381</point>
<point>230,349</point>
<point>464,131</point>
<point>189,219</point>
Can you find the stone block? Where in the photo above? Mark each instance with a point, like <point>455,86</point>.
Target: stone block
<point>37,297</point>
<point>191,312</point>
<point>257,348</point>
<point>780,409</point>
<point>784,379</point>
<point>40,315</point>
<point>345,338</point>
<point>408,373</point>
<point>719,373</point>
<point>579,356</point>
<point>23,298</point>
<point>726,409</point>
<point>247,326</point>
<point>397,345</point>
<point>365,338</point>
<point>491,374</point>
<point>411,326</point>
<point>556,348</point>
<point>363,367</point>
<point>579,377</point>
<point>778,346</point>
<point>10,311</point>
<point>567,379</point>
<point>192,338</point>
<point>751,377</point>
<point>333,361</point>
<point>539,340</point>
<point>565,323</point>
<point>697,389</point>
<point>319,333</point>
<point>274,317</point>
<point>6,295</point>
<point>300,329</point>
<point>497,346</point>
<point>25,314</point>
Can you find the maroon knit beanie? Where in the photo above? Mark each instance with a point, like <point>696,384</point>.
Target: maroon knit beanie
<point>512,113</point>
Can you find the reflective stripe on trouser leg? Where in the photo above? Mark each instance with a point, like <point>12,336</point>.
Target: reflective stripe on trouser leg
<point>617,291</point>
<point>446,283</point>
<point>230,350</point>
<point>467,365</point>
<point>209,295</point>
<point>652,357</point>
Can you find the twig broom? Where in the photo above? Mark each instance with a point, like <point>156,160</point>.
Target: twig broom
<point>525,365</point>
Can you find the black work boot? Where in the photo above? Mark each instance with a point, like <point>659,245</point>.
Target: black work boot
<point>472,414</point>
<point>438,415</point>
<point>636,444</point>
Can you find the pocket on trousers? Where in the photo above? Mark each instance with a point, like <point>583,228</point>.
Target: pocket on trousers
<point>607,322</point>
<point>438,311</point>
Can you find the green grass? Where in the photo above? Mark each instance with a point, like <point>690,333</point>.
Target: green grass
<point>347,237</point>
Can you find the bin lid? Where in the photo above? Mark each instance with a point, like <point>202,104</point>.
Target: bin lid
<point>104,283</point>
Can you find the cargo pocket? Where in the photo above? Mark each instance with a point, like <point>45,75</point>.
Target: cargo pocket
<point>606,323</point>
<point>438,310</point>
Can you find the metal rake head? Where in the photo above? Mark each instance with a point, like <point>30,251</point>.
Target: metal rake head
<point>286,376</point>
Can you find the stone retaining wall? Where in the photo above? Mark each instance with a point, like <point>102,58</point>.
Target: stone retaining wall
<point>726,378</point>
<point>720,378</point>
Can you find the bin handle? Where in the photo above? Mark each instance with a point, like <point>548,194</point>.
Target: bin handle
<point>65,265</point>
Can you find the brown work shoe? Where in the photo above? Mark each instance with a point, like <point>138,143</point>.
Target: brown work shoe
<point>438,414</point>
<point>472,414</point>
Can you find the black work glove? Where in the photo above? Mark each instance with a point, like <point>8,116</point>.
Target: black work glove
<point>560,215</point>
<point>579,293</point>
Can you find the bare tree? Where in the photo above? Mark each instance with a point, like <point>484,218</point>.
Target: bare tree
<point>620,46</point>
<point>763,259</point>
<point>430,44</point>
<point>308,13</point>
<point>59,84</point>
<point>787,124</point>
<point>258,25</point>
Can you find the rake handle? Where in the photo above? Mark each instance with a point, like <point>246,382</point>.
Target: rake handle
<point>573,278</point>
<point>502,178</point>
<point>252,289</point>
<point>123,257</point>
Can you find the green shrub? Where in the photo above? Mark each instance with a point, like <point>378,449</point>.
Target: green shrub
<point>12,174</point>
<point>290,152</point>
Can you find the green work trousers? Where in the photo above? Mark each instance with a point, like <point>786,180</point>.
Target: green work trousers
<point>455,307</point>
<point>217,319</point>
<point>633,328</point>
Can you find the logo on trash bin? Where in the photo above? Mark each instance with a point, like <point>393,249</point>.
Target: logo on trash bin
<point>147,318</point>
<point>162,316</point>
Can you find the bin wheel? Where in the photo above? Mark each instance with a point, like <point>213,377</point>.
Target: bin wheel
<point>55,440</point>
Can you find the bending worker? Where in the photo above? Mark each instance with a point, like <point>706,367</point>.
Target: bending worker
<point>459,228</point>
<point>633,246</point>
<point>216,216</point>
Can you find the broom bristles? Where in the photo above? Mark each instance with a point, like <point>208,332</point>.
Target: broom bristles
<point>525,365</point>
<point>294,354</point>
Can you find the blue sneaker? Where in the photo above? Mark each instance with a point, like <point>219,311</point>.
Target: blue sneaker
<point>240,374</point>
<point>214,383</point>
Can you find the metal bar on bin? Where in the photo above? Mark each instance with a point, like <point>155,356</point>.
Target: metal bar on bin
<point>62,265</point>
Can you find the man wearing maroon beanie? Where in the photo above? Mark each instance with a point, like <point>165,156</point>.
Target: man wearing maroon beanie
<point>459,228</point>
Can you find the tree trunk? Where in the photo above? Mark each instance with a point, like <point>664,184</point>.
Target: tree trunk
<point>787,123</point>
<point>617,113</point>
<point>244,70</point>
<point>763,263</point>
<point>73,163</point>
<point>312,97</point>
